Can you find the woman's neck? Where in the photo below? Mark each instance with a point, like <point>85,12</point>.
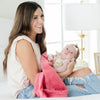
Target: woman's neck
<point>33,37</point>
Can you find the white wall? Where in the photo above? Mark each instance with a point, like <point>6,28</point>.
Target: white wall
<point>8,7</point>
<point>98,34</point>
<point>98,39</point>
<point>5,28</point>
<point>98,1</point>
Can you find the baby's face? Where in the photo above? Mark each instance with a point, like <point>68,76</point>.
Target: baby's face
<point>68,52</point>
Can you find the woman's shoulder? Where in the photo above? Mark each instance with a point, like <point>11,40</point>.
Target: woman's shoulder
<point>23,43</point>
<point>23,47</point>
<point>23,37</point>
<point>23,40</point>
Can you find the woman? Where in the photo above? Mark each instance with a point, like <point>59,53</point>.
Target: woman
<point>22,55</point>
<point>26,44</point>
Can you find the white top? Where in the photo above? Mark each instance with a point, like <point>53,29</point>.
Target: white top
<point>15,72</point>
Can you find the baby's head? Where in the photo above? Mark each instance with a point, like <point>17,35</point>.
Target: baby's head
<point>70,51</point>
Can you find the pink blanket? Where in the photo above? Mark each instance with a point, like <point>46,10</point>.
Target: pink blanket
<point>48,83</point>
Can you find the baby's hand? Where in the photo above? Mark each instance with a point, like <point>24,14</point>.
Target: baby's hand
<point>73,60</point>
<point>50,63</point>
<point>50,57</point>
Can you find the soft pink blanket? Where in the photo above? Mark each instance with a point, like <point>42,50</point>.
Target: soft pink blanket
<point>47,82</point>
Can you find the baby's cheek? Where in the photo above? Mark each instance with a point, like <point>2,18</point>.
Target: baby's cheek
<point>71,56</point>
<point>63,51</point>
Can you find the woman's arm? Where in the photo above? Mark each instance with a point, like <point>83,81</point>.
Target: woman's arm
<point>27,59</point>
<point>68,71</point>
<point>82,72</point>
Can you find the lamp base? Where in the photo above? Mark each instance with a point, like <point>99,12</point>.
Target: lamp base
<point>80,64</point>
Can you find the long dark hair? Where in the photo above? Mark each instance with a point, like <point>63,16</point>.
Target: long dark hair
<point>22,26</point>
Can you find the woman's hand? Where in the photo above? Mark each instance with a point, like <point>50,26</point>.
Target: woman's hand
<point>69,69</point>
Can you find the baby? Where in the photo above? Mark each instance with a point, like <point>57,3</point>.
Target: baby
<point>64,58</point>
<point>61,60</point>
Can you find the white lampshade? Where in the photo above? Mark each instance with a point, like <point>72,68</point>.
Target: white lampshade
<point>81,16</point>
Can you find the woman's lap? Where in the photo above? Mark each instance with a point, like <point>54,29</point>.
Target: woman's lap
<point>91,83</point>
<point>76,91</point>
<point>27,93</point>
<point>73,91</point>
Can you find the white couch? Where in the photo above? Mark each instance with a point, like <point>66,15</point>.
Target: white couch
<point>5,92</point>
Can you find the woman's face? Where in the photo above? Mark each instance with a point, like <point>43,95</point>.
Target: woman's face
<point>37,22</point>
